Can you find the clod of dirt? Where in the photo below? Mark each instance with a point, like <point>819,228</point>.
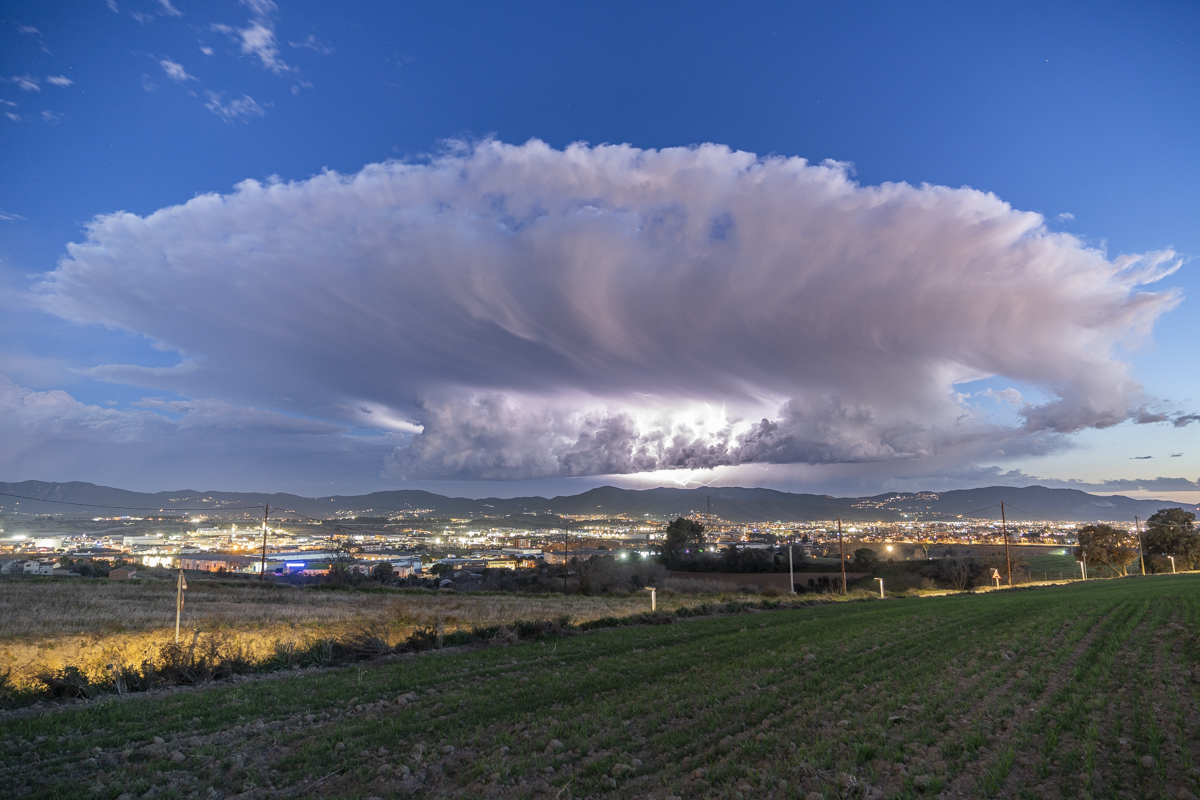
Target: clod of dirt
<point>1148,762</point>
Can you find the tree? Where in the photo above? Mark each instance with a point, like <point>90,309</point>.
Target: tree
<point>683,537</point>
<point>1171,532</point>
<point>382,572</point>
<point>864,557</point>
<point>1104,544</point>
<point>960,573</point>
<point>344,551</point>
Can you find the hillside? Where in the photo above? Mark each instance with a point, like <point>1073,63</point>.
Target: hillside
<point>731,503</point>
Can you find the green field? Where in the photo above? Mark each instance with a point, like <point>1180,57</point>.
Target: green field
<point>1087,689</point>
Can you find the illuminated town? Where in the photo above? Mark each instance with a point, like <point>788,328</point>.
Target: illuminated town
<point>412,546</point>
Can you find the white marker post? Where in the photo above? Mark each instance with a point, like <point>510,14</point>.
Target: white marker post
<point>1172,564</point>
<point>881,596</point>
<point>653,604</point>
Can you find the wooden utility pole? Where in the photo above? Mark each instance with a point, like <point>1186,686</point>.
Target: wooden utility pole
<point>1007,557</point>
<point>180,586</point>
<point>791,571</point>
<point>262,569</point>
<point>842,555</point>
<point>1141,553</point>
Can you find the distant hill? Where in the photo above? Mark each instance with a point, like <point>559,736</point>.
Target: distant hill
<point>729,503</point>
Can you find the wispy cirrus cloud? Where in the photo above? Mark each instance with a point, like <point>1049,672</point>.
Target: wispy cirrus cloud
<point>175,70</point>
<point>540,313</point>
<point>242,108</point>
<point>257,38</point>
<point>311,42</point>
<point>59,80</point>
<point>26,82</point>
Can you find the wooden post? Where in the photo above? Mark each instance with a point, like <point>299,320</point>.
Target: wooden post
<point>791,571</point>
<point>1004,527</point>
<point>842,555</point>
<point>180,585</point>
<point>262,569</point>
<point>1141,551</point>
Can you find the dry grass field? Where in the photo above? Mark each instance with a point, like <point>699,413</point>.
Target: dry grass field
<point>51,623</point>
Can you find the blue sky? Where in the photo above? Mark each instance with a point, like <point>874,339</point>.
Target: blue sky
<point>1083,113</point>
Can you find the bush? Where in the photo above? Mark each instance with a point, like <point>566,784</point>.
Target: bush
<point>864,557</point>
<point>960,573</point>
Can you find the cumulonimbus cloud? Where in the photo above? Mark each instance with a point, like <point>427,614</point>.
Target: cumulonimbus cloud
<point>595,310</point>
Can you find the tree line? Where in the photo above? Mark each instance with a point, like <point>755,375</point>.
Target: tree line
<point>1169,533</point>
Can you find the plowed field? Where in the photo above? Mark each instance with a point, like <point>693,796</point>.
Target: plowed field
<point>1085,690</point>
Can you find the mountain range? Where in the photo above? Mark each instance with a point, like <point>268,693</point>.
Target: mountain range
<point>730,503</point>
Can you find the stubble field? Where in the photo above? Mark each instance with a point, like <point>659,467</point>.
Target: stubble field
<point>53,622</point>
<point>1085,690</point>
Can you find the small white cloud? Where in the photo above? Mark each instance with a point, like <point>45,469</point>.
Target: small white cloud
<point>6,217</point>
<point>175,71</point>
<point>28,29</point>
<point>51,116</point>
<point>27,82</point>
<point>59,80</point>
<point>298,85</point>
<point>258,37</point>
<point>208,51</point>
<point>148,83</point>
<point>244,107</point>
<point>8,103</point>
<point>1009,395</point>
<point>1066,216</point>
<point>13,117</point>
<point>312,43</point>
<point>112,6</point>
<point>170,10</point>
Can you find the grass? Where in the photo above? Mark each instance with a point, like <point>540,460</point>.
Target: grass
<point>1050,692</point>
<point>49,624</point>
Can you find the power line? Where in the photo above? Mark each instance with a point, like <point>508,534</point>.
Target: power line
<point>976,511</point>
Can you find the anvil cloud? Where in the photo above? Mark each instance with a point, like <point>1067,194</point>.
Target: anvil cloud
<point>528,312</point>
